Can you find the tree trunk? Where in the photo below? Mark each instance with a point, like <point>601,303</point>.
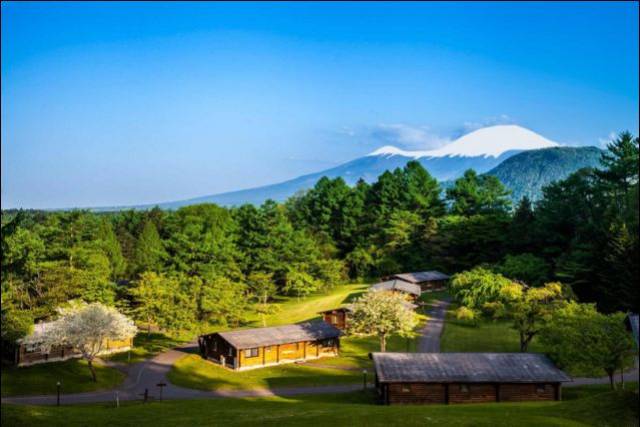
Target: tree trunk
<point>93,370</point>
<point>383,343</point>
<point>523,343</point>
<point>613,384</point>
<point>621,377</point>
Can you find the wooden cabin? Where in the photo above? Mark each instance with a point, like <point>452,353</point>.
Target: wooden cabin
<point>427,280</point>
<point>255,348</point>
<point>412,290</point>
<point>424,378</point>
<point>26,354</point>
<point>339,317</point>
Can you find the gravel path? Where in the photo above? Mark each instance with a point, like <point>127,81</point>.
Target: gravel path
<point>429,341</point>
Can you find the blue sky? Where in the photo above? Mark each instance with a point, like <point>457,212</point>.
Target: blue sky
<point>125,103</point>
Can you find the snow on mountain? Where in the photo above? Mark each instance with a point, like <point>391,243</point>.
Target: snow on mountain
<point>491,141</point>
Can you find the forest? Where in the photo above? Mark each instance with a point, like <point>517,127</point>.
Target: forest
<point>208,265</point>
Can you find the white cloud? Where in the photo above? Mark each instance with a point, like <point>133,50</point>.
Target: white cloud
<point>605,141</point>
<point>406,136</point>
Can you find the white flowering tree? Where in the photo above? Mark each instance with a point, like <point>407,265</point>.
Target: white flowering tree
<point>382,314</point>
<point>86,328</point>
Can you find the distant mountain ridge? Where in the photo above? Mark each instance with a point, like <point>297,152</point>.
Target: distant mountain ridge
<point>528,172</point>
<point>503,151</point>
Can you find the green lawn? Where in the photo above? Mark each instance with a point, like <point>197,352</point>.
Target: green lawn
<point>294,310</point>
<point>597,409</point>
<point>41,379</point>
<point>491,336</point>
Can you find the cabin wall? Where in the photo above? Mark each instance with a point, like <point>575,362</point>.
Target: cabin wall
<point>215,348</point>
<point>476,393</point>
<point>522,392</point>
<point>433,285</point>
<point>60,353</point>
<point>415,393</point>
<point>427,393</point>
<point>337,318</point>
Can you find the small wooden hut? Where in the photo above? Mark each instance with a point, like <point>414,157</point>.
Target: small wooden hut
<point>423,378</point>
<point>339,317</point>
<point>412,290</point>
<point>255,348</point>
<point>26,354</point>
<point>427,280</point>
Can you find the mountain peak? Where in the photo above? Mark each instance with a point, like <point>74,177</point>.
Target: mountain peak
<point>490,141</point>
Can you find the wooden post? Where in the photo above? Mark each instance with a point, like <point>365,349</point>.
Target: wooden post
<point>264,356</point>
<point>278,353</point>
<point>304,349</point>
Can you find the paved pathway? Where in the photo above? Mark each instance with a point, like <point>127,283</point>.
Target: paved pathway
<point>146,375</point>
<point>429,341</point>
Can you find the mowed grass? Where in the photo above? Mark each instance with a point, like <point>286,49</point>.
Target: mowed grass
<point>74,376</point>
<point>487,335</point>
<point>294,310</point>
<point>356,409</point>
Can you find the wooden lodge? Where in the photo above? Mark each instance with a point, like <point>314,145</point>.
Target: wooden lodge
<point>424,378</point>
<point>255,348</point>
<point>413,291</point>
<point>339,317</point>
<point>427,280</point>
<point>26,354</point>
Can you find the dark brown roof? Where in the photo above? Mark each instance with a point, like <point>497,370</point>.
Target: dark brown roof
<point>466,367</point>
<point>258,337</point>
<point>421,276</point>
<point>397,285</point>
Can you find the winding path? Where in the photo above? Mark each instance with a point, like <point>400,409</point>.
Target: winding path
<point>429,341</point>
<point>146,375</point>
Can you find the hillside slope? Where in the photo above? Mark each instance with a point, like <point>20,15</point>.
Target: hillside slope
<point>526,173</point>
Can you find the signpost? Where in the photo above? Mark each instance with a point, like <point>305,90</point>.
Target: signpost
<point>58,385</point>
<point>364,379</point>
<point>161,386</point>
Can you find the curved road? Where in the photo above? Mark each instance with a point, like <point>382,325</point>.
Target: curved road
<point>146,375</point>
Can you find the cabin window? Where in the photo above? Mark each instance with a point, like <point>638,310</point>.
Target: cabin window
<point>215,346</point>
<point>464,388</point>
<point>406,388</point>
<point>230,352</point>
<point>251,352</point>
<point>540,388</point>
<point>31,348</point>
<point>327,343</point>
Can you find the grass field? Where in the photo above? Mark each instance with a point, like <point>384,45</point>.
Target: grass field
<point>73,374</point>
<point>294,310</point>
<point>582,407</point>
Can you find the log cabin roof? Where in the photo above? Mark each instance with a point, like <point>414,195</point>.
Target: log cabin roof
<point>421,276</point>
<point>260,337</point>
<point>466,368</point>
<point>397,285</point>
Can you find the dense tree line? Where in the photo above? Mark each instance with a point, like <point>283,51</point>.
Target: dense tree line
<point>205,264</point>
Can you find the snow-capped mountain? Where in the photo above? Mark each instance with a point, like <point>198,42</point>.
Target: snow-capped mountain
<point>483,150</point>
<point>491,141</point>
